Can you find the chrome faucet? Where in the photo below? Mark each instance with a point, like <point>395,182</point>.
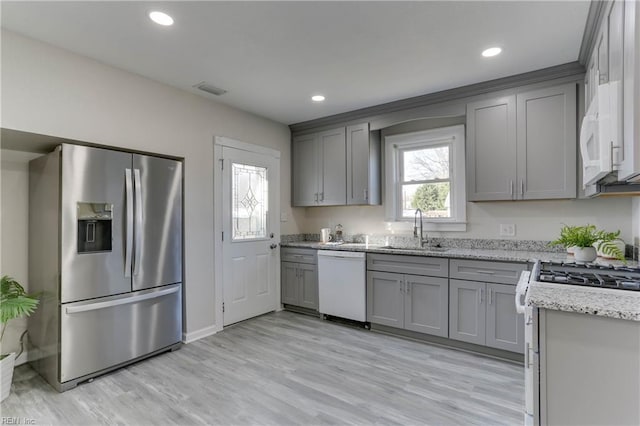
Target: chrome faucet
<point>421,241</point>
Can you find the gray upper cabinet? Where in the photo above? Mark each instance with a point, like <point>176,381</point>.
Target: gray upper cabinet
<point>319,169</point>
<point>546,135</point>
<point>363,165</point>
<point>332,168</point>
<point>336,167</point>
<point>523,147</point>
<point>305,170</point>
<point>491,149</point>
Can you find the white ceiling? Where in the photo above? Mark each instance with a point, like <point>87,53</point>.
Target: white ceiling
<point>272,56</point>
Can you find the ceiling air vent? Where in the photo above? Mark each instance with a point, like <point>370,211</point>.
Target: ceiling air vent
<point>206,87</point>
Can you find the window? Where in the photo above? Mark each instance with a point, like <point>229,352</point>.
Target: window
<point>426,170</point>
<point>249,188</point>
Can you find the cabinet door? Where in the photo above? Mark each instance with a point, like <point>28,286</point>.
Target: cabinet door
<point>308,286</point>
<point>426,307</point>
<point>547,143</point>
<point>467,311</point>
<point>491,149</point>
<point>289,283</point>
<point>630,164</point>
<point>505,327</point>
<point>305,170</point>
<point>385,299</point>
<point>333,168</point>
<point>602,52</point>
<point>358,164</point>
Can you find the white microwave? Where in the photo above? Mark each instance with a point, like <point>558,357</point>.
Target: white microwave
<point>600,139</point>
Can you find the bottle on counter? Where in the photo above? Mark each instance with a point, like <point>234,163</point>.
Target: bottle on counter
<point>338,237</point>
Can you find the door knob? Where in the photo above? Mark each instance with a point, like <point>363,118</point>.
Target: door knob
<point>272,246</point>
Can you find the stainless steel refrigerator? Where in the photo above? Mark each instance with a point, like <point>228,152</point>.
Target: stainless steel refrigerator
<point>105,251</point>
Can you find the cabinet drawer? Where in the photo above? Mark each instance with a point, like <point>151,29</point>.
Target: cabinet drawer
<point>415,265</point>
<point>299,255</point>
<point>486,271</point>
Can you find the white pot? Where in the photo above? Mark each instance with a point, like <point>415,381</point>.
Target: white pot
<point>571,249</point>
<point>585,254</point>
<point>6,369</point>
<point>618,243</point>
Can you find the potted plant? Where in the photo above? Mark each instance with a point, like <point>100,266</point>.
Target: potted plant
<point>14,303</point>
<point>581,238</point>
<point>610,245</point>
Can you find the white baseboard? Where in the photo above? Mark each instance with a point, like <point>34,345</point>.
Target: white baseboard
<point>199,334</point>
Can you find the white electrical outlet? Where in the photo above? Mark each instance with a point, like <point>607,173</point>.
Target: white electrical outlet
<point>507,230</point>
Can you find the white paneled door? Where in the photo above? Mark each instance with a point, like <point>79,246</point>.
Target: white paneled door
<point>251,233</point>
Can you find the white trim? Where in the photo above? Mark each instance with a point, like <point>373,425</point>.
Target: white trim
<point>218,143</point>
<point>217,231</point>
<point>234,143</point>
<point>455,134</point>
<point>199,334</point>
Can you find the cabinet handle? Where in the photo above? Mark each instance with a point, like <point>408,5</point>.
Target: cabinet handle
<point>316,197</point>
<point>490,296</point>
<point>364,194</point>
<point>401,287</point>
<point>408,287</point>
<point>322,196</point>
<point>480,298</point>
<point>522,187</point>
<point>511,188</point>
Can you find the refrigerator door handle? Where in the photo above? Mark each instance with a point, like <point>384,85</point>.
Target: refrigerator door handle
<point>123,301</point>
<point>138,226</point>
<point>128,183</point>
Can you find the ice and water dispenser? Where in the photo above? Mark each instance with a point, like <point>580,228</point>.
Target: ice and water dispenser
<point>95,224</point>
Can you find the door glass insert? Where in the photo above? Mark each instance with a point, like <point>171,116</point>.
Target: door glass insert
<point>249,191</point>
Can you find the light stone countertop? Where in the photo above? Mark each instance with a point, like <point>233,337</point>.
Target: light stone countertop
<point>604,302</point>
<point>456,253</point>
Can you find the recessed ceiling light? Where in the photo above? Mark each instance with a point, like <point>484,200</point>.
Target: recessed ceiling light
<point>317,98</point>
<point>492,51</point>
<point>161,18</point>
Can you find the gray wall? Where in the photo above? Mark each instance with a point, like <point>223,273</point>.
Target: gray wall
<point>52,91</point>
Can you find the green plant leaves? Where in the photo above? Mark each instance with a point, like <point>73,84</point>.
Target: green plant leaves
<point>16,307</point>
<point>14,301</point>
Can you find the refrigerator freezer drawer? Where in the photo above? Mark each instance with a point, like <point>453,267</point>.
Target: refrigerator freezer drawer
<point>104,332</point>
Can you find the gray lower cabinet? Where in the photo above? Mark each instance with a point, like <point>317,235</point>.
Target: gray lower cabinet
<point>299,277</point>
<point>467,311</point>
<point>385,298</point>
<point>484,314</point>
<point>505,327</point>
<point>412,302</point>
<point>299,284</point>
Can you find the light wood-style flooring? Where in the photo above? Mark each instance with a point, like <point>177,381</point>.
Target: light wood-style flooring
<point>284,369</point>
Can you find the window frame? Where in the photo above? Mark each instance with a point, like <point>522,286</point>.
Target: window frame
<point>396,145</point>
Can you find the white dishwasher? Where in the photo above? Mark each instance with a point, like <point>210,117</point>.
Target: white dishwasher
<point>342,284</point>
